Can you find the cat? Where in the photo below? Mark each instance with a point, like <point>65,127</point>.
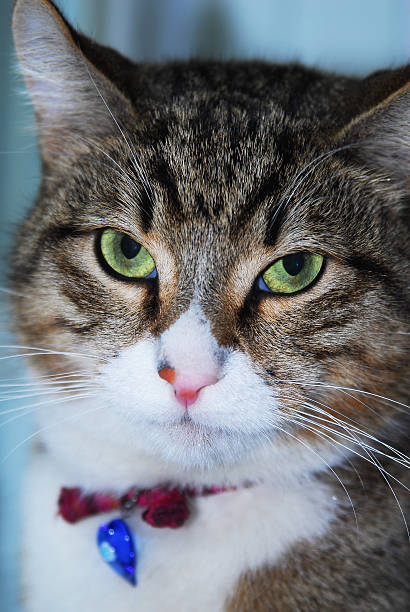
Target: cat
<point>214,283</point>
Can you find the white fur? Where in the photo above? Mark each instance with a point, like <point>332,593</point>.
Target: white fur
<point>191,568</point>
<point>189,346</point>
<point>131,432</point>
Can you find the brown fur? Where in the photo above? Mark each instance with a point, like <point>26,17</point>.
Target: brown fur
<point>358,567</point>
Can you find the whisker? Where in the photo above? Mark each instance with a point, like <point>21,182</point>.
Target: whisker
<point>43,376</point>
<point>346,422</point>
<point>35,405</point>
<point>343,425</point>
<point>340,388</point>
<point>313,429</point>
<point>303,174</point>
<point>405,461</point>
<point>128,178</point>
<point>386,475</point>
<point>52,392</point>
<point>39,351</point>
<point>42,384</point>
<point>48,427</point>
<point>325,463</point>
<point>12,292</point>
<point>137,165</point>
<point>369,458</point>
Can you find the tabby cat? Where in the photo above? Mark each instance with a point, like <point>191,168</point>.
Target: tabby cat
<point>214,282</point>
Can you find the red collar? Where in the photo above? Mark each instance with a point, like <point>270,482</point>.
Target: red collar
<point>165,506</point>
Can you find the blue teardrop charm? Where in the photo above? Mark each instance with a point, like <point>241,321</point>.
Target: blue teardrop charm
<point>116,545</point>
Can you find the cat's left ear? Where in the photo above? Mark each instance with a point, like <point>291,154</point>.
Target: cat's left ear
<point>380,138</point>
<point>74,101</point>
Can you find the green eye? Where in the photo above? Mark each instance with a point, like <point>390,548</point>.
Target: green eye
<point>125,256</point>
<point>291,273</point>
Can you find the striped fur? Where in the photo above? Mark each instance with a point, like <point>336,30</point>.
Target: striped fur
<point>218,170</point>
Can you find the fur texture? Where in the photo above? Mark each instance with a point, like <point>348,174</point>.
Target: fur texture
<point>218,170</point>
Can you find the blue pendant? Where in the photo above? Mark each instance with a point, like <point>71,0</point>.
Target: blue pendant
<point>117,548</point>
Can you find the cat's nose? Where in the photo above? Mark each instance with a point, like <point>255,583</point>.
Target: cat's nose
<point>187,386</point>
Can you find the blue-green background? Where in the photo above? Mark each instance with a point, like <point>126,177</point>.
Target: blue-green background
<point>354,36</point>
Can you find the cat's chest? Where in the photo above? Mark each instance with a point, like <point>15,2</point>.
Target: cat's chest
<point>195,567</point>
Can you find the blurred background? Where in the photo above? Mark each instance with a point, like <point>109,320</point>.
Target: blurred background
<point>353,36</point>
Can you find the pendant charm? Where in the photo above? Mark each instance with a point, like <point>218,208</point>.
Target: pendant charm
<point>116,545</point>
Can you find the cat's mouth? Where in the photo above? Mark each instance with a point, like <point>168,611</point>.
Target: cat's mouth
<point>186,427</point>
<point>186,420</point>
<point>191,443</point>
<point>186,424</point>
<point>193,435</point>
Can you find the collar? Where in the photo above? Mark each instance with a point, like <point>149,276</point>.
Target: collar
<point>165,506</point>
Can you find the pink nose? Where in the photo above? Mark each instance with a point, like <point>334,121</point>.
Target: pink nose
<point>187,386</point>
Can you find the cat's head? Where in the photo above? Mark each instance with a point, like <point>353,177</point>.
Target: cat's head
<point>219,250</point>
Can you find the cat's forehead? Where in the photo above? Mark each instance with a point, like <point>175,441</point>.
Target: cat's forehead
<point>201,173</point>
<point>209,168</point>
<point>223,151</point>
<point>222,142</point>
<point>209,160</point>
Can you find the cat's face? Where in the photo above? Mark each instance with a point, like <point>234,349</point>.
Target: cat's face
<point>268,311</point>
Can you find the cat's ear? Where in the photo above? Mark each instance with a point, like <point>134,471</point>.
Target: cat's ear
<point>381,137</point>
<point>72,98</point>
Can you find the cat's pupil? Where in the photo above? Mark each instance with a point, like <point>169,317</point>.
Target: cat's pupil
<point>294,263</point>
<point>129,247</point>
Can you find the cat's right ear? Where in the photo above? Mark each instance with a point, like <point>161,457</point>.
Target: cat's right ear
<point>72,98</point>
<point>380,137</point>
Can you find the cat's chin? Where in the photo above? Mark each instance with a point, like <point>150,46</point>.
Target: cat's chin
<point>193,445</point>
